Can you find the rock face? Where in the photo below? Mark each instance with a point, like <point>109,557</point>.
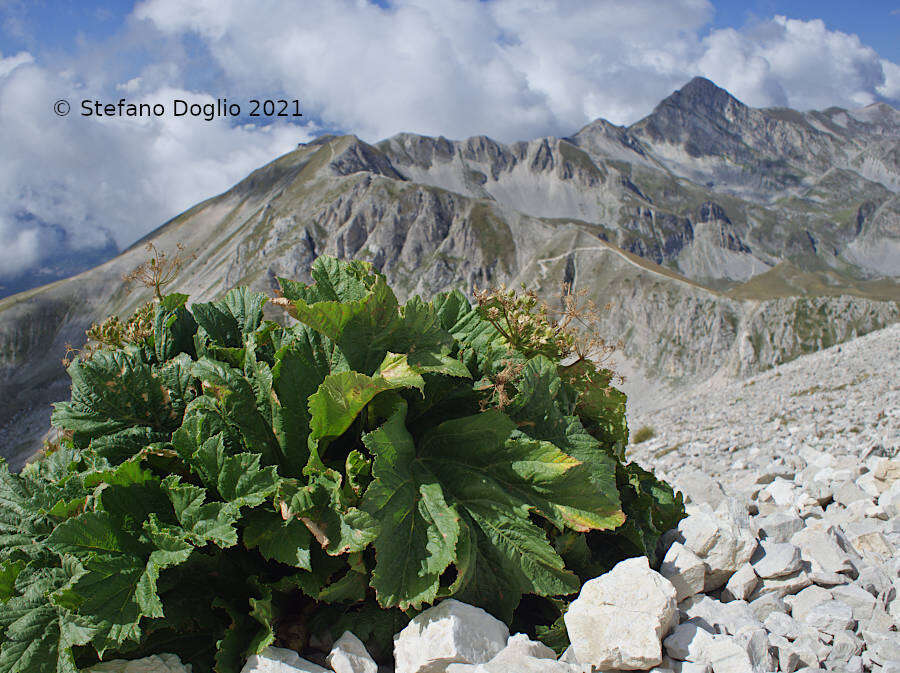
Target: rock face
<point>620,618</point>
<point>669,221</point>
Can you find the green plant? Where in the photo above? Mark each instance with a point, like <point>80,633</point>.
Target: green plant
<point>643,434</point>
<point>227,482</point>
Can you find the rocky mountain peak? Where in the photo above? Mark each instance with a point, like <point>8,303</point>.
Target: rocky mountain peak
<point>702,116</point>
<point>701,93</point>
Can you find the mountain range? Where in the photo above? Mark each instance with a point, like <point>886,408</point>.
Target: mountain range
<point>724,239</point>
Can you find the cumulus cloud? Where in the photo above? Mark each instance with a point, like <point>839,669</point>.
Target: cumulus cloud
<point>515,69</point>
<point>75,183</point>
<point>799,64</point>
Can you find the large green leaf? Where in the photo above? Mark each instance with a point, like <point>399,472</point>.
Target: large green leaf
<point>25,506</point>
<point>342,396</point>
<point>300,367</point>
<point>652,508</point>
<point>360,328</point>
<point>278,540</point>
<point>112,391</point>
<point>173,327</point>
<point>202,521</point>
<point>476,465</point>
<point>335,280</point>
<point>418,530</point>
<point>227,321</point>
<point>37,637</point>
<point>544,412</point>
<point>478,479</point>
<point>243,483</point>
<point>357,310</point>
<point>117,585</point>
<point>9,571</point>
<point>323,507</point>
<point>235,396</point>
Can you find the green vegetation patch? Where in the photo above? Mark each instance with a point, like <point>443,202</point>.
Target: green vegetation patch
<point>643,434</point>
<point>226,483</point>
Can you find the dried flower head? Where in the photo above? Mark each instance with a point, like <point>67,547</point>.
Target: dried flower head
<point>159,270</point>
<point>570,333</point>
<point>113,333</point>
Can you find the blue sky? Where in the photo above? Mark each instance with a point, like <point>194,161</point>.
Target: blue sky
<point>506,68</point>
<point>877,22</point>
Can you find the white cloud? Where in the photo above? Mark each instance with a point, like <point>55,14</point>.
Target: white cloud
<point>74,183</point>
<point>515,69</point>
<point>800,64</point>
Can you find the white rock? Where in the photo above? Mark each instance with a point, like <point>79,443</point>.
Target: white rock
<point>722,539</point>
<point>882,645</point>
<point>521,644</point>
<point>670,665</point>
<point>741,584</point>
<point>620,618</point>
<point>887,470</point>
<point>821,545</point>
<point>848,492</point>
<point>855,665</point>
<point>875,543</point>
<point>889,500</point>
<point>734,654</point>
<point>684,569</point>
<point>788,657</point>
<point>783,492</point>
<point>775,559</point>
<point>860,600</point>
<point>349,655</point>
<point>450,632</point>
<point>844,646</point>
<point>732,617</point>
<point>810,649</point>
<point>688,642</point>
<point>766,604</point>
<point>279,660</point>
<point>804,601</point>
<point>782,625</point>
<point>778,527</point>
<point>830,617</point>
<point>522,655</point>
<point>782,586</point>
<point>156,663</point>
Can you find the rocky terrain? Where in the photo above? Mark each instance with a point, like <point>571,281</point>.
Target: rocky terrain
<point>787,561</point>
<point>725,239</point>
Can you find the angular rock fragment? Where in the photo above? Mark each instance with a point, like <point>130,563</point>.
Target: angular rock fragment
<point>620,618</point>
<point>820,545</point>
<point>689,641</point>
<point>775,559</point>
<point>450,632</point>
<point>830,617</point>
<point>778,527</point>
<point>741,584</point>
<point>684,569</point>
<point>723,540</point>
<point>349,655</point>
<point>280,660</point>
